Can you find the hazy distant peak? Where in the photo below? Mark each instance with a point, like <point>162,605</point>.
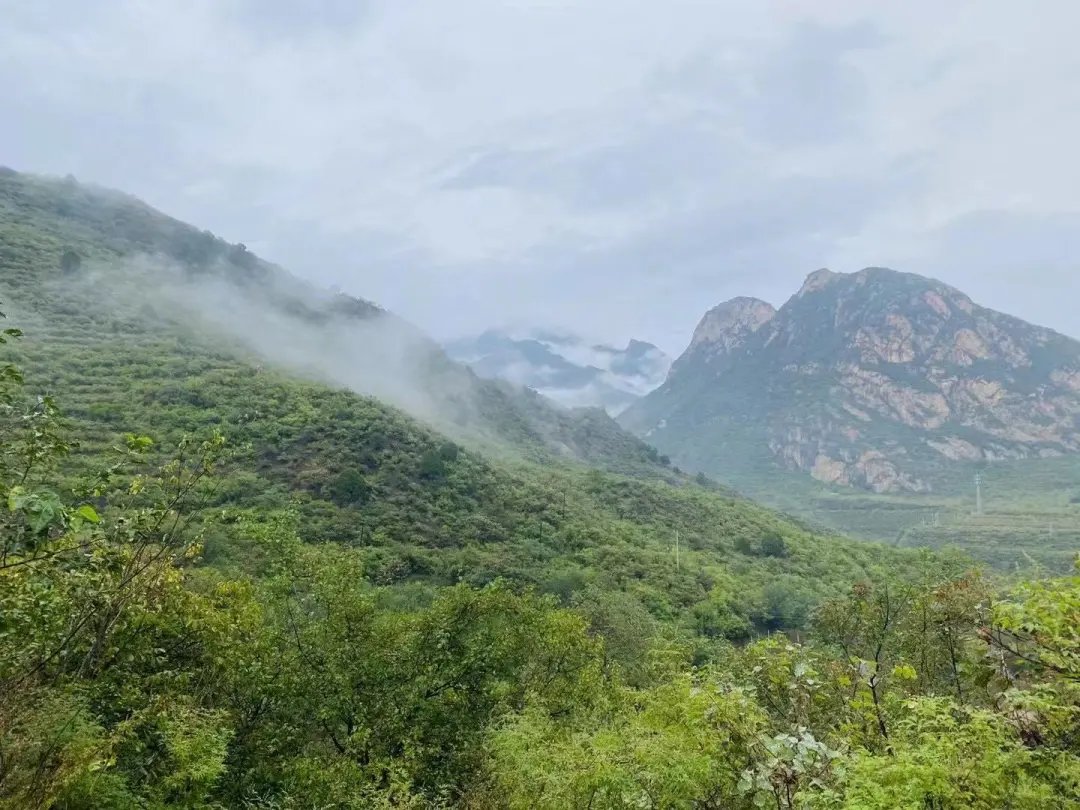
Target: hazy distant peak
<point>566,367</point>
<point>639,347</point>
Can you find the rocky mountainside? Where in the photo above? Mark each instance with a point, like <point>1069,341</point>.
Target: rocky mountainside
<point>875,379</point>
<point>566,368</point>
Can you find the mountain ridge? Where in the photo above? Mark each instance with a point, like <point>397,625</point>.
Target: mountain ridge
<point>866,379</point>
<point>580,505</point>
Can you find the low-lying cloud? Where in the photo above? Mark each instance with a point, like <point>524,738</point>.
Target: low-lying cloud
<point>292,326</point>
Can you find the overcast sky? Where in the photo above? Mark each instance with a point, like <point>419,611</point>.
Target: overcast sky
<point>614,167</point>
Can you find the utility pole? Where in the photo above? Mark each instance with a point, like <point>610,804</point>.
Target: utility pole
<point>978,494</point>
<point>676,549</point>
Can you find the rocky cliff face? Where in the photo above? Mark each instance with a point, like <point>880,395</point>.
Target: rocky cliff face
<point>872,379</point>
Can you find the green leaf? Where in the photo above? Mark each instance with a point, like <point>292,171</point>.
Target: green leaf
<point>905,672</point>
<point>44,510</point>
<point>16,498</point>
<point>88,513</point>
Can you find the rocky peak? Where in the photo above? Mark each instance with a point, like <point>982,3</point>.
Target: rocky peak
<point>882,315</point>
<point>881,288</point>
<point>729,324</point>
<point>818,280</point>
<point>869,379</point>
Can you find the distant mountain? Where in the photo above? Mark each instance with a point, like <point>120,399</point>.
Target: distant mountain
<point>876,379</point>
<point>566,368</point>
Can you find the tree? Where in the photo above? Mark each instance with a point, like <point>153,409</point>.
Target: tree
<point>943,755</point>
<point>1038,630</point>
<point>349,488</point>
<point>102,649</point>
<point>683,744</point>
<point>867,628</point>
<point>773,545</point>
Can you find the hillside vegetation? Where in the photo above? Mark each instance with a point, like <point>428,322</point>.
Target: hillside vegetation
<point>418,508</point>
<point>132,676</point>
<point>229,580</point>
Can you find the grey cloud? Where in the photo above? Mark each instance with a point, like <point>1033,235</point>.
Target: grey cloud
<point>754,240</point>
<point>286,18</point>
<point>808,93</point>
<point>671,158</point>
<point>613,167</point>
<point>799,91</point>
<point>1023,264</point>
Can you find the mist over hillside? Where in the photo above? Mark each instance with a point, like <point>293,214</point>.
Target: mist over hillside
<point>127,259</point>
<point>318,335</point>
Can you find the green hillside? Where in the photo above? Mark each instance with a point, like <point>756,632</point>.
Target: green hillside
<point>419,508</point>
<point>1030,520</point>
<point>229,582</point>
<point>72,252</point>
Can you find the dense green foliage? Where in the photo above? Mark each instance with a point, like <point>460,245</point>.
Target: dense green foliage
<point>319,601</point>
<point>133,676</point>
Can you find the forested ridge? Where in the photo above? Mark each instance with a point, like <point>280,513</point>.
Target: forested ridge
<point>224,586</point>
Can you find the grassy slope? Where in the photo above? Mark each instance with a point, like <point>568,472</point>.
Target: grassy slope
<point>419,508</point>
